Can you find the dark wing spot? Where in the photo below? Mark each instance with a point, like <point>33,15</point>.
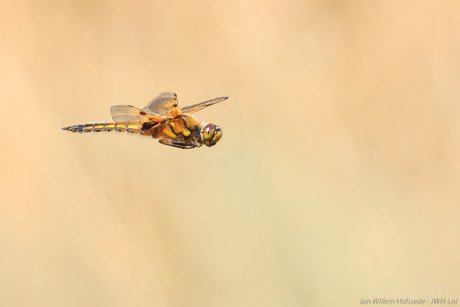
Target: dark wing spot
<point>147,125</point>
<point>143,113</point>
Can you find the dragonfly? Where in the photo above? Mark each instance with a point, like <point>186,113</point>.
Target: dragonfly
<point>161,119</point>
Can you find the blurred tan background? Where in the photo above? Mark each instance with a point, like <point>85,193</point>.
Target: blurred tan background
<point>337,177</point>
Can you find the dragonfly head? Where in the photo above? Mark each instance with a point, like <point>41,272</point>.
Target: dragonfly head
<point>211,134</point>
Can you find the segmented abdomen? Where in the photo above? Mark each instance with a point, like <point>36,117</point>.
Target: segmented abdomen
<point>131,127</point>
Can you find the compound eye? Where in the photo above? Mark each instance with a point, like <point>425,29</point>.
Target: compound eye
<point>217,135</point>
<point>211,134</point>
<point>208,132</point>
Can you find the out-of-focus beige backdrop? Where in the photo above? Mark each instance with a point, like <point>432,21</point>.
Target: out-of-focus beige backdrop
<point>337,177</point>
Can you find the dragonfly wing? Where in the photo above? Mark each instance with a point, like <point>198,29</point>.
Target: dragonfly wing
<point>162,105</point>
<point>126,113</point>
<point>202,105</point>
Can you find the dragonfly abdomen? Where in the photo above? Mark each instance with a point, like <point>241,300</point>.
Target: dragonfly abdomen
<point>129,127</point>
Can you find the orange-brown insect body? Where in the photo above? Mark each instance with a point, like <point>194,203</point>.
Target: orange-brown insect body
<point>161,119</point>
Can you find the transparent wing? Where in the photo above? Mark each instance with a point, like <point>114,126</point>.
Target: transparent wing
<point>126,113</point>
<point>162,105</point>
<point>202,105</point>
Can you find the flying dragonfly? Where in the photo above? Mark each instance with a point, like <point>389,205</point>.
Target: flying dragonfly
<point>161,119</point>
